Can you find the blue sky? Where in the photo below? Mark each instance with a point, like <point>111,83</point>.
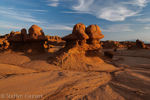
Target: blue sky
<point>118,19</point>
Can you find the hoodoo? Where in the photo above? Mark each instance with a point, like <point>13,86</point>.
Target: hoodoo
<point>81,51</point>
<point>32,42</point>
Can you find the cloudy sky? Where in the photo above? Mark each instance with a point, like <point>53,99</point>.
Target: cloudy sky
<point>118,19</point>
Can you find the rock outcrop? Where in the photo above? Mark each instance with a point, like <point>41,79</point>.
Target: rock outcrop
<point>112,45</point>
<point>83,38</point>
<point>94,33</point>
<point>81,49</point>
<point>32,42</point>
<point>4,44</point>
<point>139,45</point>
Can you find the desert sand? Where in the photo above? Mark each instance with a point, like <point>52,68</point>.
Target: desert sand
<point>38,67</point>
<point>126,77</point>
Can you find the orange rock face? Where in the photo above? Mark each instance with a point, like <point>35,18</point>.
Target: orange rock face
<point>94,32</point>
<point>34,41</point>
<point>35,30</point>
<point>81,34</point>
<point>80,38</point>
<point>78,33</point>
<point>79,26</point>
<point>70,37</point>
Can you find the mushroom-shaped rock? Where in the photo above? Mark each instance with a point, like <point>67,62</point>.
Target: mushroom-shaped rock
<point>94,32</point>
<point>35,30</point>
<point>81,34</point>
<point>36,34</point>
<point>69,37</point>
<point>79,26</point>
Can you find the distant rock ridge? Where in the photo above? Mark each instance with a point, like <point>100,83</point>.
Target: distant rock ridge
<point>139,45</point>
<point>111,44</point>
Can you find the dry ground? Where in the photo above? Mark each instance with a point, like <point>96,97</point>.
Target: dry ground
<point>24,77</point>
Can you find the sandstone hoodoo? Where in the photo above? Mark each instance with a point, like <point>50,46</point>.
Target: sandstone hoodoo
<point>32,42</point>
<point>83,38</point>
<point>81,51</point>
<point>77,40</point>
<point>94,33</point>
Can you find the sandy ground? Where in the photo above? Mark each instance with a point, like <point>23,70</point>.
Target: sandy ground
<point>24,77</point>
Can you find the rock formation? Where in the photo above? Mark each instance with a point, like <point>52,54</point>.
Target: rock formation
<point>139,45</point>
<point>77,40</point>
<point>81,45</point>
<point>94,33</point>
<point>83,38</point>
<point>112,45</point>
<point>32,42</point>
<point>4,44</point>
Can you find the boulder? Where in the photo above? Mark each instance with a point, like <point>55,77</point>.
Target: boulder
<point>108,54</point>
<point>115,49</point>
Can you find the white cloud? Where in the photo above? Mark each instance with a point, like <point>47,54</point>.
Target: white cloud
<point>23,16</point>
<point>54,0</point>
<point>54,4</point>
<point>143,20</point>
<point>38,10</point>
<point>70,12</point>
<point>57,27</point>
<point>9,25</point>
<point>114,10</point>
<point>147,28</point>
<point>118,28</point>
